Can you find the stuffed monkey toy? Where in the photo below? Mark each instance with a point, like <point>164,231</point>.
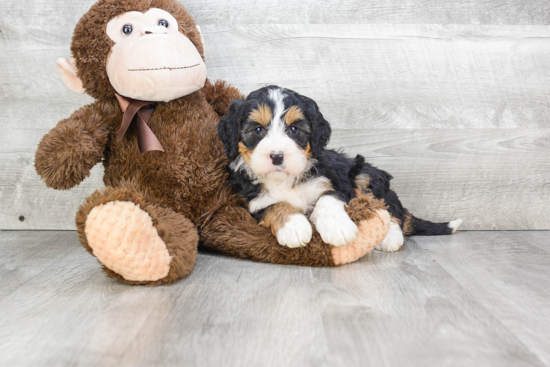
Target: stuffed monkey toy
<point>153,126</point>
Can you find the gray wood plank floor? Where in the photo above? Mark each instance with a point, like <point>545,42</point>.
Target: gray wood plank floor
<point>473,299</point>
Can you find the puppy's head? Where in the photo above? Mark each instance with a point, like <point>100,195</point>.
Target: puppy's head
<point>273,134</point>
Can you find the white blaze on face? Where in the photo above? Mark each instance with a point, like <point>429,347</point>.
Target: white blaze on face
<point>153,62</point>
<point>277,141</point>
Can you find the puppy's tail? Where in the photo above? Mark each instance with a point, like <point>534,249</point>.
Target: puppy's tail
<point>415,226</point>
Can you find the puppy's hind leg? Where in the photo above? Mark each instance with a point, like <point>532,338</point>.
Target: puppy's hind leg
<point>393,240</point>
<point>414,226</point>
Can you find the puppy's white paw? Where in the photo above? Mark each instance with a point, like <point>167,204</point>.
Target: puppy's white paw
<point>296,232</point>
<point>337,230</point>
<point>394,239</point>
<point>332,222</point>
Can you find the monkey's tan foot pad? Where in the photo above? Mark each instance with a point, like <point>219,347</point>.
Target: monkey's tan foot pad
<point>371,232</point>
<point>124,239</point>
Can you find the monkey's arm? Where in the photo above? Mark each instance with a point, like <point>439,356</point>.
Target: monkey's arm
<point>220,94</point>
<point>68,152</point>
<point>233,231</point>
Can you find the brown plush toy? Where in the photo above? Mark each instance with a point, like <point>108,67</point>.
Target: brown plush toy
<point>153,126</point>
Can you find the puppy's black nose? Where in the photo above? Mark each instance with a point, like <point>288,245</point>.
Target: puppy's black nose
<point>277,158</point>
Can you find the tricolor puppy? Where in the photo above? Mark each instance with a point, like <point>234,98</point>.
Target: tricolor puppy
<point>276,140</point>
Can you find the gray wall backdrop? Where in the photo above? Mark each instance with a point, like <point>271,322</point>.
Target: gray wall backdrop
<point>451,97</point>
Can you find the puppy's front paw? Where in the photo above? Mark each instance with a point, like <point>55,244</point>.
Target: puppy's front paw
<point>296,232</point>
<point>394,239</point>
<point>336,230</point>
<point>332,221</point>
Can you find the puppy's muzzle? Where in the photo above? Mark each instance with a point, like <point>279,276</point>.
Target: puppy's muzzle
<point>277,158</point>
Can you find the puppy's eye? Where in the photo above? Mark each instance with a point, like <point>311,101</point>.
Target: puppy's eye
<point>293,129</point>
<point>163,23</point>
<point>259,130</point>
<point>127,29</point>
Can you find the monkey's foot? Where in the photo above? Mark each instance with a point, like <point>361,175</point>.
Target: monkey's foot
<point>123,238</point>
<point>371,232</point>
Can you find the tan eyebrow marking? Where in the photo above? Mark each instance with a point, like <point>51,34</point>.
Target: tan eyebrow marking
<point>293,114</point>
<point>262,115</point>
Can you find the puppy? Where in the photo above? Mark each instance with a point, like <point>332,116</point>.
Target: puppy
<point>278,162</point>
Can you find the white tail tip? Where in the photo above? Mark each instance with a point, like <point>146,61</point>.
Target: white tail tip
<point>455,224</point>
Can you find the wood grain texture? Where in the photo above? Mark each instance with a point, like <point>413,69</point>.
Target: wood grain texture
<point>457,113</point>
<point>495,179</point>
<point>312,11</point>
<point>536,238</point>
<point>396,76</point>
<point>494,268</point>
<point>472,299</point>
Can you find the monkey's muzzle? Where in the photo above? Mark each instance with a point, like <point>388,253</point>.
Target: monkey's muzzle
<point>158,67</point>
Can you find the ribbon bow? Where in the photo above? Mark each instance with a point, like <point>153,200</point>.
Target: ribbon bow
<point>147,140</point>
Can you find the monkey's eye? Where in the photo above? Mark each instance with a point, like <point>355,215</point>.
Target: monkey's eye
<point>293,129</point>
<point>259,130</point>
<point>127,29</point>
<point>163,23</point>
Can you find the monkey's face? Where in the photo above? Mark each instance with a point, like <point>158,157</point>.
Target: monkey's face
<point>151,59</point>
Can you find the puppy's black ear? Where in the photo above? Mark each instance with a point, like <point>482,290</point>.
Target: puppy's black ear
<point>229,128</point>
<point>320,128</point>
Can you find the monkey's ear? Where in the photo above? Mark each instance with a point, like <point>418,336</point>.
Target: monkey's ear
<point>229,128</point>
<point>200,34</point>
<point>67,68</point>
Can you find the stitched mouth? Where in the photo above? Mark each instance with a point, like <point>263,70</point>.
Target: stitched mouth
<point>166,68</point>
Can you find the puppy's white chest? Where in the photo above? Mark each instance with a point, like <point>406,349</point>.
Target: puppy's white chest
<point>302,196</point>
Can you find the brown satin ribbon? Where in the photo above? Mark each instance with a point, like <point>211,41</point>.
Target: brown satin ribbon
<point>147,140</point>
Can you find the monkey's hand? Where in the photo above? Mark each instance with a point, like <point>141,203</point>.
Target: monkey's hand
<point>68,152</point>
<point>220,94</point>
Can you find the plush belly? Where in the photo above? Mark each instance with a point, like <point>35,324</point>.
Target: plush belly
<point>193,163</point>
